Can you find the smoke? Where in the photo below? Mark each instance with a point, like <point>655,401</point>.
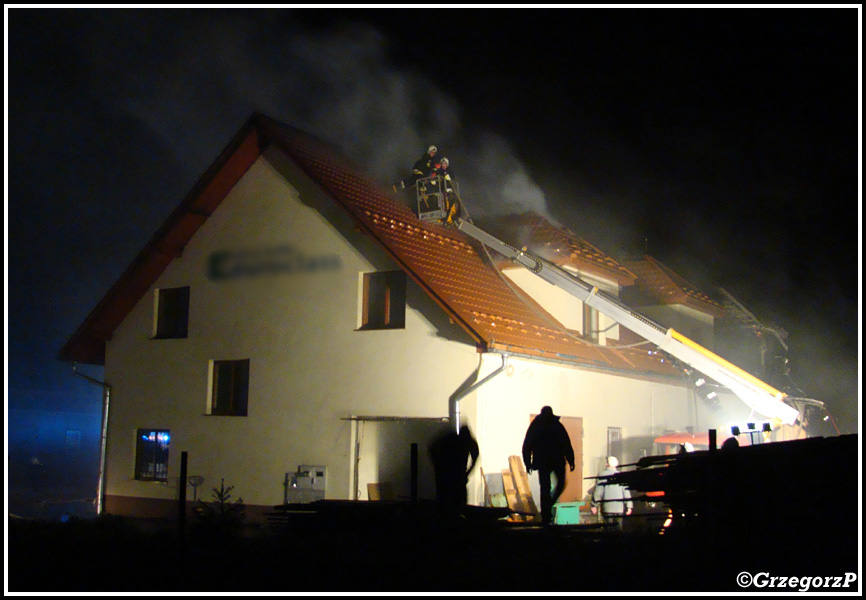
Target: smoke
<point>338,84</point>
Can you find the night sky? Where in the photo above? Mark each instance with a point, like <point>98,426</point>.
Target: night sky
<point>724,142</point>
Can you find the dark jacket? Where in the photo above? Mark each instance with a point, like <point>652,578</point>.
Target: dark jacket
<point>547,444</point>
<point>424,166</point>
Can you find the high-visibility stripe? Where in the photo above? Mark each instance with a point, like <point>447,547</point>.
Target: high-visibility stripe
<point>737,370</point>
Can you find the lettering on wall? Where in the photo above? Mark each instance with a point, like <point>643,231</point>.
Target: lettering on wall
<point>284,259</point>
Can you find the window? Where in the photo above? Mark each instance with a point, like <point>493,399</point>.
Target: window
<point>590,323</point>
<point>172,313</point>
<point>614,443</point>
<point>230,387</point>
<point>384,300</point>
<point>151,454</point>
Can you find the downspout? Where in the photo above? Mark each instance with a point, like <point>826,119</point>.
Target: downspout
<point>106,397</point>
<point>464,390</point>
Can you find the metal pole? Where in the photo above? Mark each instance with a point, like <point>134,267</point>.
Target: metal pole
<point>414,473</point>
<point>181,497</point>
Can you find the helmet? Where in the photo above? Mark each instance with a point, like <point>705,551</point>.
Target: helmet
<point>432,149</point>
<point>444,162</point>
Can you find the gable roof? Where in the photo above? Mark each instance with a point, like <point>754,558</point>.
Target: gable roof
<point>443,261</point>
<point>658,284</point>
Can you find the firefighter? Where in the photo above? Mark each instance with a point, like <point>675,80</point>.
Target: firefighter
<point>426,165</point>
<point>452,201</point>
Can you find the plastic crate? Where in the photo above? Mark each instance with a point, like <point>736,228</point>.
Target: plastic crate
<point>566,513</point>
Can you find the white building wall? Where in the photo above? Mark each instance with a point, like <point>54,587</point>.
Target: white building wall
<point>564,307</point>
<point>310,369</point>
<point>499,411</point>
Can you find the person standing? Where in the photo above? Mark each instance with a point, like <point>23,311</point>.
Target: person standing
<point>454,456</point>
<point>613,498</point>
<point>426,165</point>
<point>547,448</point>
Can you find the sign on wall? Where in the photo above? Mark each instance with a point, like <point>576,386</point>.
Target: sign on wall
<point>283,259</point>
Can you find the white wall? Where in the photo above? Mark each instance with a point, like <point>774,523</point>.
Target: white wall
<point>499,412</point>
<point>564,307</point>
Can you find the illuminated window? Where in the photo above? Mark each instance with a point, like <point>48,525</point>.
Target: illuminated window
<point>151,454</point>
<point>230,387</point>
<point>384,302</point>
<point>590,323</point>
<point>172,313</point>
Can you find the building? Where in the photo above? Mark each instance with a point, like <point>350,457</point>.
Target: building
<point>294,329</point>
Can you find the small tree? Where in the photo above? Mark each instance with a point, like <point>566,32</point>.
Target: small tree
<point>222,514</point>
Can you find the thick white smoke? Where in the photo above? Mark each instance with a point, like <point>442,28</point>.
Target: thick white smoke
<point>339,85</point>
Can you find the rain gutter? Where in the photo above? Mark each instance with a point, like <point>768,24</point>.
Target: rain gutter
<point>464,390</point>
<point>103,438</point>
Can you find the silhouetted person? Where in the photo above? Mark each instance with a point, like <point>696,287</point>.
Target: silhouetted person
<point>613,498</point>
<point>547,448</point>
<point>730,444</point>
<point>454,456</point>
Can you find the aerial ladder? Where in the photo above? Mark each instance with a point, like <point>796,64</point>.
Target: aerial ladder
<point>758,395</point>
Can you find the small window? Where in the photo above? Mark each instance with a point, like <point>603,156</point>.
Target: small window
<point>384,301</point>
<point>172,313</point>
<point>151,454</point>
<point>614,443</point>
<point>230,387</point>
<point>590,323</point>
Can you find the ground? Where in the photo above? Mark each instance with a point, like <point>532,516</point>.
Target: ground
<point>404,550</point>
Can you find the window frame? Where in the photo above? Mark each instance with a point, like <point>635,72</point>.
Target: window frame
<point>171,313</point>
<point>383,300</point>
<point>159,452</point>
<point>239,388</point>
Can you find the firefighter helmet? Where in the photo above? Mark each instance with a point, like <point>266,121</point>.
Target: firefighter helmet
<point>445,163</point>
<point>432,149</point>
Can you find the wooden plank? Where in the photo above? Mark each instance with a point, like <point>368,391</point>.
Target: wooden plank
<point>511,496</point>
<point>521,483</point>
<point>380,491</point>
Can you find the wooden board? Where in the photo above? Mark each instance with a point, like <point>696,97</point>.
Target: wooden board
<point>521,483</point>
<point>511,496</point>
<point>380,491</point>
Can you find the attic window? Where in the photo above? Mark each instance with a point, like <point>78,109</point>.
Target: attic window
<point>384,300</point>
<point>171,313</point>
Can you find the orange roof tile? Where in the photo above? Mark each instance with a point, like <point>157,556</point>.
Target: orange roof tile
<point>443,261</point>
<point>558,245</point>
<point>658,284</point>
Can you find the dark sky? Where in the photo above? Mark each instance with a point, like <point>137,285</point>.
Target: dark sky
<point>722,141</point>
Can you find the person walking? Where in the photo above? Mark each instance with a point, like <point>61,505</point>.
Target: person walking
<point>547,448</point>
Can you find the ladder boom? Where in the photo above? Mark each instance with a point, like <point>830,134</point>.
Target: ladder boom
<point>758,395</point>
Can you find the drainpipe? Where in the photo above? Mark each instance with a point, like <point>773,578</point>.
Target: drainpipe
<point>463,390</point>
<point>106,397</point>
